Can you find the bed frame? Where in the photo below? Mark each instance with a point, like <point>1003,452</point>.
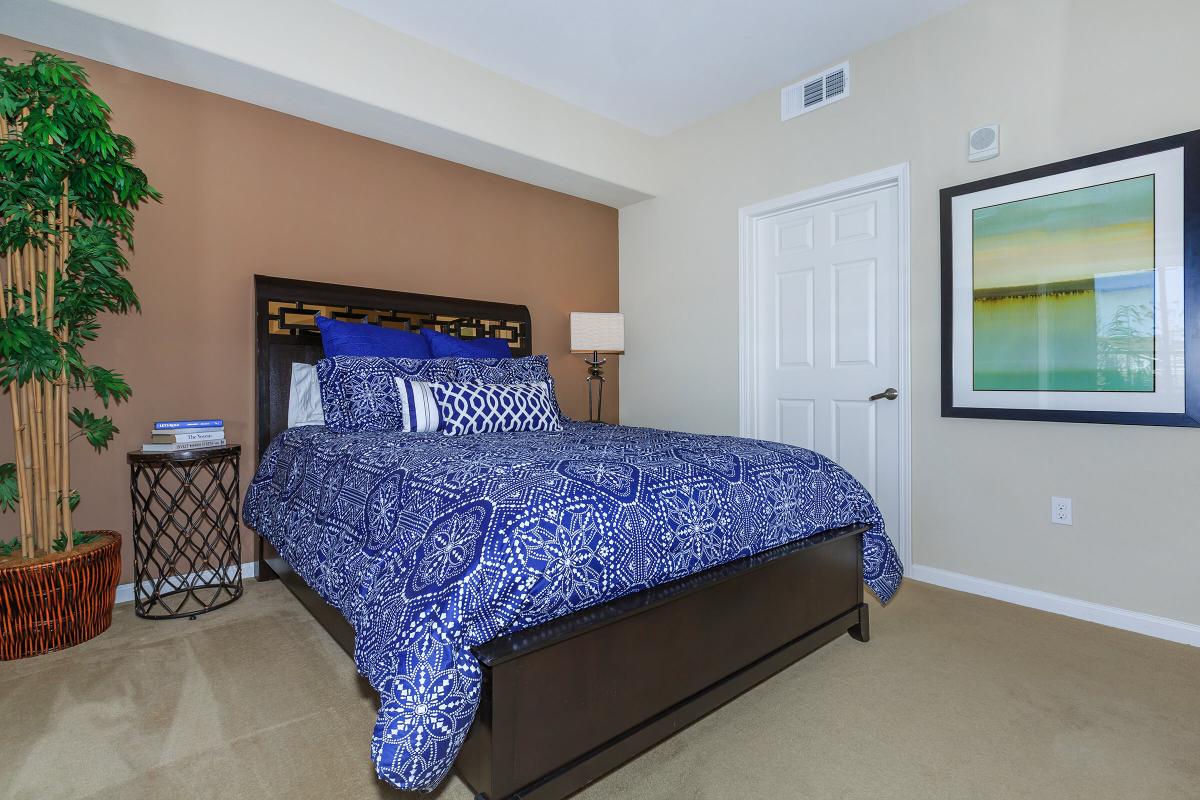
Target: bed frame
<point>566,702</point>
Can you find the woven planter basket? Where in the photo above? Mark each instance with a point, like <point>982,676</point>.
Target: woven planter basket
<point>59,601</point>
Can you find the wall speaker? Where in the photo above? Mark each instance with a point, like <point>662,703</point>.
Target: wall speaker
<point>983,143</point>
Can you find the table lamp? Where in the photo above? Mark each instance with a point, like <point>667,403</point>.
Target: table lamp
<point>595,334</point>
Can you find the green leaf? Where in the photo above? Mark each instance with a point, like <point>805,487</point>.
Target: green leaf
<point>79,537</point>
<point>10,548</point>
<point>99,431</point>
<point>10,494</point>
<point>27,351</point>
<point>108,385</point>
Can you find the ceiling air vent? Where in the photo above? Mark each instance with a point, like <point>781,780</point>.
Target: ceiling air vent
<point>810,93</point>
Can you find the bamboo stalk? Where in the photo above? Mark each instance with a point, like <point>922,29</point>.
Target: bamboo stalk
<point>28,499</point>
<point>36,265</point>
<point>39,445</point>
<point>33,399</point>
<point>65,217</point>
<point>18,257</point>
<point>32,267</point>
<point>53,458</point>
<point>65,473</point>
<point>24,484</point>
<point>21,428</point>
<point>42,395</point>
<point>51,272</point>
<point>27,545</point>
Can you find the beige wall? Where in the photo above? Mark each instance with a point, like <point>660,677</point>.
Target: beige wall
<point>1063,78</point>
<point>254,191</point>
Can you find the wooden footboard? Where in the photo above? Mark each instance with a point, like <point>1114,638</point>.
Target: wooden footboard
<point>568,701</point>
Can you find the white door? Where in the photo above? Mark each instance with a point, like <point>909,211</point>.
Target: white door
<point>827,348</point>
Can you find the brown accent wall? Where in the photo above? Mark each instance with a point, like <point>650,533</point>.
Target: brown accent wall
<point>249,190</point>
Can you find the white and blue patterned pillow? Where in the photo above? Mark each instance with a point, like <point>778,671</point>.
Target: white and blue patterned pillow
<point>528,369</point>
<point>473,407</point>
<point>418,409</point>
<point>361,394</point>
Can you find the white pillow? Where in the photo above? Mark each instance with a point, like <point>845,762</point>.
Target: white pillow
<point>304,397</point>
<point>418,410</point>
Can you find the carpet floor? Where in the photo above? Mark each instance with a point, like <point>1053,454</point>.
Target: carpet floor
<point>955,697</point>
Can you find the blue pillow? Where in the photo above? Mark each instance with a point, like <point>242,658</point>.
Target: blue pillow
<point>443,344</point>
<point>362,394</point>
<point>363,339</point>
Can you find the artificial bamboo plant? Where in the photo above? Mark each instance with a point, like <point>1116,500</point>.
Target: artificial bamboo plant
<point>67,194</point>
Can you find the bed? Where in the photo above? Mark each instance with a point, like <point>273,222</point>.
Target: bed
<point>537,608</point>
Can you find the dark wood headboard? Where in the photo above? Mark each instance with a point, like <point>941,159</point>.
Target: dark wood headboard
<point>285,333</point>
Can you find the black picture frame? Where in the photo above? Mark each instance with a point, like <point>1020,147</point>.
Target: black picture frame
<point>1190,417</point>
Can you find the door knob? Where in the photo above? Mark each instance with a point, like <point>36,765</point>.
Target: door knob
<point>887,394</point>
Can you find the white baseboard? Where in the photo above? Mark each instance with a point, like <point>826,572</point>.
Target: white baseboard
<point>125,590</point>
<point>1159,627</point>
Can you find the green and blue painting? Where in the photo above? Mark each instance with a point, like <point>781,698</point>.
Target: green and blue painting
<point>1064,291</point>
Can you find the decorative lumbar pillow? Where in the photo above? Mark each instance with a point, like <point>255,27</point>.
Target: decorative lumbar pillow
<point>529,369</point>
<point>361,394</point>
<point>418,409</point>
<point>363,339</point>
<point>443,344</point>
<point>470,407</point>
<point>304,397</point>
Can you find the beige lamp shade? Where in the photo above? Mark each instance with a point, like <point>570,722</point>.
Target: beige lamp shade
<point>597,333</point>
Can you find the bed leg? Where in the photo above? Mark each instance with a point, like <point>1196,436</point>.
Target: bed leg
<point>264,571</point>
<point>862,630</point>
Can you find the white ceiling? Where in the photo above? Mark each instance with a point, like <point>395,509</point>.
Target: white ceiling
<point>654,65</point>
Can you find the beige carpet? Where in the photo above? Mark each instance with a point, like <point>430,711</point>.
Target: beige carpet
<point>955,697</point>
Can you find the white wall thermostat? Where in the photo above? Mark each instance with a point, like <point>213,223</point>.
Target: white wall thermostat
<point>983,143</point>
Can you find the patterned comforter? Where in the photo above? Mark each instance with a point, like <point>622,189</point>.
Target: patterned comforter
<point>431,545</point>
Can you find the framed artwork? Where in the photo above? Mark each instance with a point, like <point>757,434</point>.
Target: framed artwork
<point>1071,292</point>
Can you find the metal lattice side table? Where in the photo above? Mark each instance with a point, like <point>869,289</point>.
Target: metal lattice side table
<point>187,548</point>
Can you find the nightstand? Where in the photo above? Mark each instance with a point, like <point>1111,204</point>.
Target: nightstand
<point>187,543</point>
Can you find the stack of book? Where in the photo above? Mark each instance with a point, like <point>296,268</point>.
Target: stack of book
<point>170,436</point>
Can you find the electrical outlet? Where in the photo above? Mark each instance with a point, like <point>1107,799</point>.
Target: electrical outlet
<point>1060,510</point>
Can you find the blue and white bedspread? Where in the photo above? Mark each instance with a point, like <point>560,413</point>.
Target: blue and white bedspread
<point>431,545</point>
